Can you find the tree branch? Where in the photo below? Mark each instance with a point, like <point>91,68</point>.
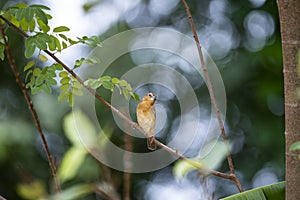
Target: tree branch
<point>31,108</point>
<point>212,96</point>
<point>127,164</point>
<point>132,124</point>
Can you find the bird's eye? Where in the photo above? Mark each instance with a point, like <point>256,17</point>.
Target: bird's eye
<point>150,95</point>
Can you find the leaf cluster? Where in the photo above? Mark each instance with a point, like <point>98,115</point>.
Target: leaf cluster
<point>111,83</point>
<point>69,87</point>
<point>33,21</point>
<point>41,79</point>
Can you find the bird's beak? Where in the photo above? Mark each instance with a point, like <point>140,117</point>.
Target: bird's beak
<point>154,98</point>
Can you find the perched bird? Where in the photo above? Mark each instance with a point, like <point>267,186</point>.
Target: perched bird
<point>146,118</point>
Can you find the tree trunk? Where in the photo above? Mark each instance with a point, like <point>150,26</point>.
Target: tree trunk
<point>289,14</point>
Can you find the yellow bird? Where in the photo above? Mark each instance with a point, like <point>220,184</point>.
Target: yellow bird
<point>146,118</point>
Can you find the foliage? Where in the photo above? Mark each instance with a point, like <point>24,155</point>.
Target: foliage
<point>110,83</point>
<point>34,20</point>
<point>274,191</point>
<point>295,147</point>
<point>211,161</point>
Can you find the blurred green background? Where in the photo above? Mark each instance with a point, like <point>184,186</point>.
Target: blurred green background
<point>242,37</point>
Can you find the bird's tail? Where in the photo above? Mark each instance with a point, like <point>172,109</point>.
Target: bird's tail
<point>151,143</point>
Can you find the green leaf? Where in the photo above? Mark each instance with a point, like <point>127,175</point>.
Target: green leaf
<point>15,21</point>
<point>43,58</point>
<point>135,96</point>
<point>57,42</point>
<point>51,71</point>
<point>65,80</point>
<point>105,78</point>
<point>125,93</point>
<point>64,45</point>
<point>92,41</point>
<point>79,129</point>
<point>72,42</point>
<point>20,5</point>
<point>47,88</point>
<point>24,25</point>
<point>75,192</point>
<point>2,49</point>
<point>29,13</point>
<point>41,15</point>
<point>215,152</point>
<point>63,74</point>
<point>77,91</point>
<point>123,83</point>
<point>41,40</point>
<point>31,25</point>
<point>78,63</point>
<point>182,167</point>
<point>295,146</point>
<point>29,65</point>
<point>63,95</point>
<point>51,81</point>
<point>81,61</point>
<point>64,87</point>
<point>37,71</point>
<point>93,83</point>
<point>20,14</point>
<point>70,99</point>
<point>36,189</point>
<point>57,66</point>
<point>76,84</point>
<point>63,36</point>
<point>52,44</point>
<point>71,163</point>
<point>115,80</point>
<point>45,28</point>
<point>39,6</point>
<point>45,69</point>
<point>274,191</point>
<point>36,89</point>
<point>108,85</point>
<point>40,79</point>
<point>27,75</point>
<point>91,61</point>
<point>29,47</point>
<point>60,29</point>
<point>31,82</point>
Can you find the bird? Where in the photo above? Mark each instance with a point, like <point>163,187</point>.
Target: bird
<point>146,117</point>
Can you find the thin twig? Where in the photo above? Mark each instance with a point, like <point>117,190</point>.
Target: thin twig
<point>127,165</point>
<point>32,109</point>
<point>212,96</point>
<point>120,114</point>
<point>2,198</point>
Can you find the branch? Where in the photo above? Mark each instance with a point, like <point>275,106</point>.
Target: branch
<point>127,164</point>
<point>32,109</point>
<point>212,96</point>
<point>2,198</point>
<point>132,124</point>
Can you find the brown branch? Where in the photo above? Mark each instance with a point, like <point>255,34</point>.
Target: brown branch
<point>2,198</point>
<point>212,96</point>
<point>127,165</point>
<point>31,108</point>
<point>132,124</point>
